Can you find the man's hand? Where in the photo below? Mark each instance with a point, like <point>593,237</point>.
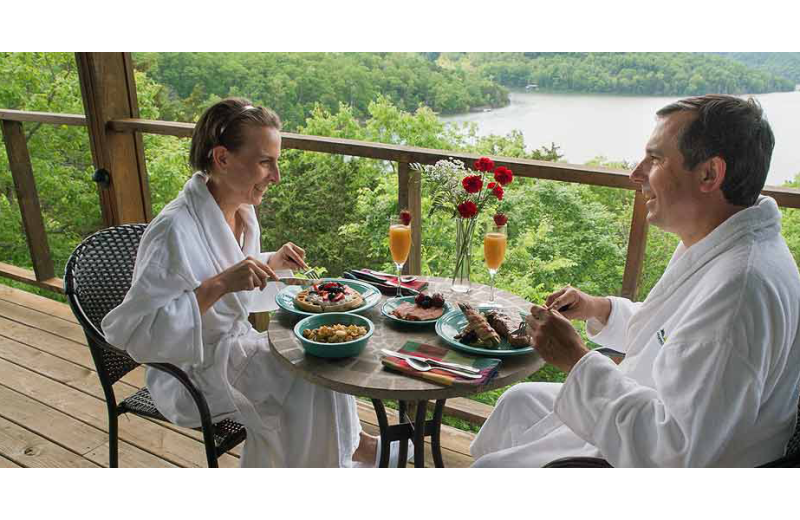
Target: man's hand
<point>289,256</point>
<point>554,338</point>
<point>579,305</point>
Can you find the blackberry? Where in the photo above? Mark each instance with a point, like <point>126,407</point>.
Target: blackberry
<point>438,300</point>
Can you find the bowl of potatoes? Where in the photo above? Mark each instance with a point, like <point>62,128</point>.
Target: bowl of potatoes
<point>334,334</point>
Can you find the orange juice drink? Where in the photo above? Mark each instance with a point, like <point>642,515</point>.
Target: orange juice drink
<point>399,242</point>
<point>494,249</point>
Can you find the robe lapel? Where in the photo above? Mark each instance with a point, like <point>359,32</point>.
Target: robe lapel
<point>218,238</point>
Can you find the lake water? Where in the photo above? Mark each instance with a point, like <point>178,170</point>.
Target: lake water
<point>586,126</point>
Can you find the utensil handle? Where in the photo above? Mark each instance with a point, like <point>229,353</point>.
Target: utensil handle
<point>440,364</point>
<point>460,373</point>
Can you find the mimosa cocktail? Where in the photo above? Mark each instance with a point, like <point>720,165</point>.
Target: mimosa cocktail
<point>399,245</point>
<point>494,251</point>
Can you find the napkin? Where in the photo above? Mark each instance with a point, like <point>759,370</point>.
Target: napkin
<point>487,366</point>
<point>417,285</point>
<point>263,301</point>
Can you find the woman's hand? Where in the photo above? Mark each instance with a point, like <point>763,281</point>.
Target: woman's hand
<point>244,276</point>
<point>554,338</point>
<point>289,256</point>
<point>577,305</point>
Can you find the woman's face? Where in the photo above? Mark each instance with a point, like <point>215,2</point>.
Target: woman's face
<point>244,175</point>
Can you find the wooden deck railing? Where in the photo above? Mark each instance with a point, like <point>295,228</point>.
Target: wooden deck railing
<point>409,185</point>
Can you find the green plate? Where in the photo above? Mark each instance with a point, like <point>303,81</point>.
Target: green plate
<point>285,298</point>
<point>453,322</point>
<point>393,303</point>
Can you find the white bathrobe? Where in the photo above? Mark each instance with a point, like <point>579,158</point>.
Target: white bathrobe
<point>289,422</point>
<point>711,371</point>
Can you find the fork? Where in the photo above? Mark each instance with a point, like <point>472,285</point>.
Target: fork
<point>311,274</point>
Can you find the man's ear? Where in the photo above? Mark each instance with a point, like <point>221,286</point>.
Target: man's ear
<point>712,174</point>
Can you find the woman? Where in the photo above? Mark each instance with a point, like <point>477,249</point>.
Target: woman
<point>196,269</point>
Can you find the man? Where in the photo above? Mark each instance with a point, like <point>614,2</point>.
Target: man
<point>712,364</point>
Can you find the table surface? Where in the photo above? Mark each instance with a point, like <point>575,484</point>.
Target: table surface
<point>365,376</point>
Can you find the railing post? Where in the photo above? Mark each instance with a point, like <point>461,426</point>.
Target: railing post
<point>409,196</point>
<point>19,160</point>
<point>637,244</point>
<point>109,92</point>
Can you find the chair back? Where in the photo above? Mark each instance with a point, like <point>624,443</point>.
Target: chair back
<point>793,446</point>
<point>96,279</point>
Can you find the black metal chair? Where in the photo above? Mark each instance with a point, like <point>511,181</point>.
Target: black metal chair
<point>790,459</point>
<point>97,278</point>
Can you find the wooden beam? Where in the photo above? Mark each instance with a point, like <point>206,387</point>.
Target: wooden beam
<point>19,161</point>
<point>23,275</point>
<point>109,92</point>
<point>637,244</point>
<point>409,196</point>
<point>42,117</point>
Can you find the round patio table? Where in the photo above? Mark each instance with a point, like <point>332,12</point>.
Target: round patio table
<point>365,376</point>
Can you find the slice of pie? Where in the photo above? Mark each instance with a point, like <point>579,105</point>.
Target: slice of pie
<point>328,297</point>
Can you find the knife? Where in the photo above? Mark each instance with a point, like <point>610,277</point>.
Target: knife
<point>433,362</point>
<point>303,282</point>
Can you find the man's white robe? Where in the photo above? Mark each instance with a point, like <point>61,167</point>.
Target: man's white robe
<point>289,421</point>
<point>710,376</point>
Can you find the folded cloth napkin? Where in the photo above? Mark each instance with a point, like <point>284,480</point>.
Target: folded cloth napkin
<point>417,285</point>
<point>487,366</point>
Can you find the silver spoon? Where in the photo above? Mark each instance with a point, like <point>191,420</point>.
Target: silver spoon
<point>423,366</point>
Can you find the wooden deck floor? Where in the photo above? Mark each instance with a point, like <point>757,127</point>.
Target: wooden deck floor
<point>52,411</point>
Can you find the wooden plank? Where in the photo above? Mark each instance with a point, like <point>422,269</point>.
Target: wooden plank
<point>415,207</point>
<point>128,457</point>
<point>473,412</point>
<point>146,435</point>
<point>57,346</point>
<point>637,244</point>
<point>42,322</point>
<point>5,463</point>
<point>60,428</point>
<point>29,277</point>
<point>25,116</point>
<point>19,161</point>
<point>30,450</point>
<point>109,93</point>
<point>36,302</point>
<point>453,441</point>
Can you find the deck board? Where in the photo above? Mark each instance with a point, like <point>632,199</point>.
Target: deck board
<point>52,409</point>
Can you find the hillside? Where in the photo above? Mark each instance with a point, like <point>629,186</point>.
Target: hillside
<point>672,74</point>
<point>784,64</point>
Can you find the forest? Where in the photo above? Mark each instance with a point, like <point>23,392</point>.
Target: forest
<point>559,233</point>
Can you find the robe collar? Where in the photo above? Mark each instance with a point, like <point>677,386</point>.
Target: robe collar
<point>219,239</point>
<point>760,220</point>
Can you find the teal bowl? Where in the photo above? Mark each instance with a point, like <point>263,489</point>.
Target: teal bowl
<point>334,350</point>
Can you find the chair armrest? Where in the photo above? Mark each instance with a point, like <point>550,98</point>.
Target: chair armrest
<point>579,462</point>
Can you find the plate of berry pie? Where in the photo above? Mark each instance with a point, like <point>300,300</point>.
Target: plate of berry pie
<point>328,295</point>
<point>421,309</point>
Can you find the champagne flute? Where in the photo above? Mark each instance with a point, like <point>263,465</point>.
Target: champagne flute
<point>494,251</point>
<point>399,245</point>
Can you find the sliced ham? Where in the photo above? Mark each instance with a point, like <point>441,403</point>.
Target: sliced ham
<point>413,312</point>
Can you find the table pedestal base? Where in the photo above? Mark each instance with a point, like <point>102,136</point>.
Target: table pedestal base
<point>415,431</point>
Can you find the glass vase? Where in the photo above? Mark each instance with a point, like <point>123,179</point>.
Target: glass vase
<point>464,230</point>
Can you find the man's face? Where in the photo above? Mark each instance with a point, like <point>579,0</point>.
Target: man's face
<point>672,192</point>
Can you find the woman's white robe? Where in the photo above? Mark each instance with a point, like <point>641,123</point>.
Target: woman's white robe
<point>289,422</point>
<point>711,371</point>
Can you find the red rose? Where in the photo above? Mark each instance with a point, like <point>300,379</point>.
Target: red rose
<point>467,209</point>
<point>503,175</point>
<point>472,183</point>
<point>484,164</point>
<point>500,219</point>
<point>491,185</point>
<point>498,192</point>
<point>405,217</point>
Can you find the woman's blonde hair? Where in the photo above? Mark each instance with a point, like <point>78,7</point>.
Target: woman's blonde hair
<point>222,124</point>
